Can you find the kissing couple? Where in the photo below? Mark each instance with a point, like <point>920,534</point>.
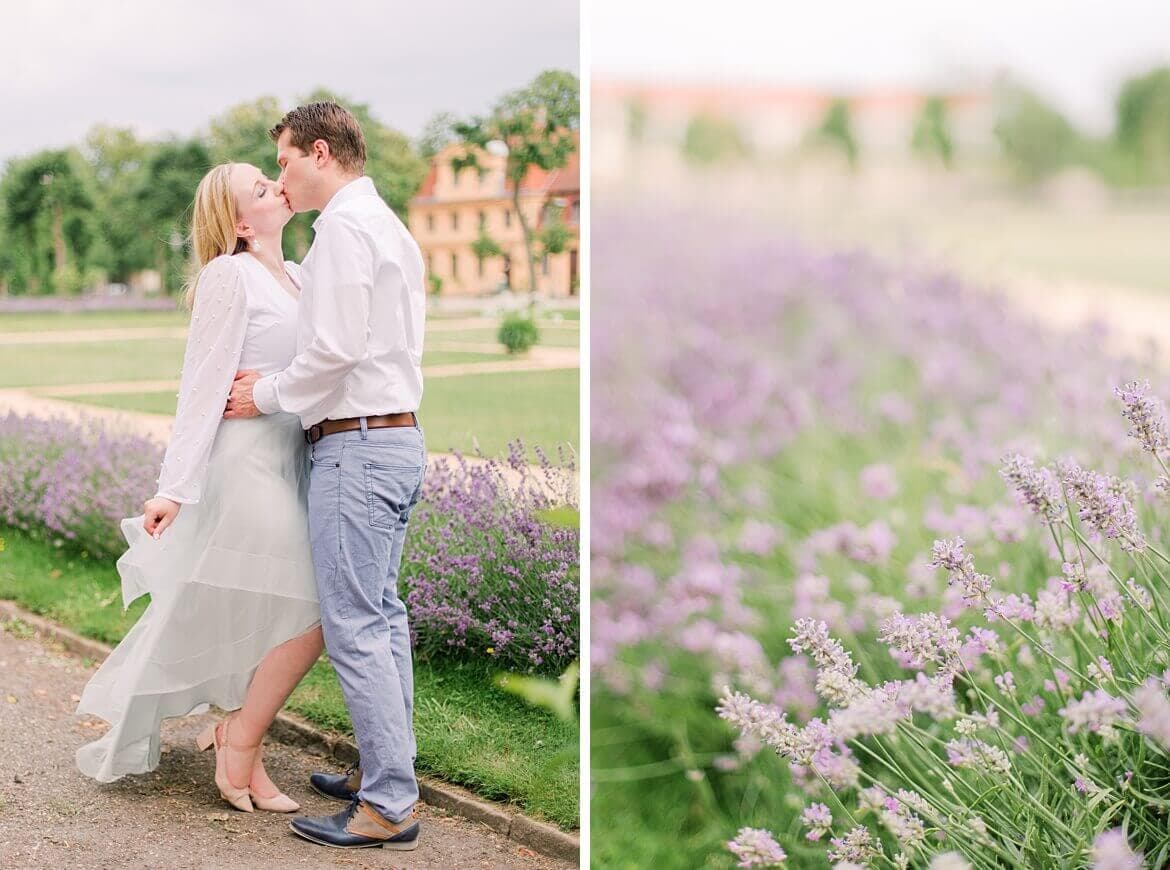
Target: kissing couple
<point>285,492</point>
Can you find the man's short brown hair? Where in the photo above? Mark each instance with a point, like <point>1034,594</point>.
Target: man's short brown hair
<point>330,122</point>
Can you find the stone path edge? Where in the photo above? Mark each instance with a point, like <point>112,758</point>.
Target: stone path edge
<point>539,836</point>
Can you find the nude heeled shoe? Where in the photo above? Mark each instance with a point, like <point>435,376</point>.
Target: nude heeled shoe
<point>237,797</point>
<point>280,802</point>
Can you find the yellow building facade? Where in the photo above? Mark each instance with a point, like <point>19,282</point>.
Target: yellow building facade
<point>452,210</point>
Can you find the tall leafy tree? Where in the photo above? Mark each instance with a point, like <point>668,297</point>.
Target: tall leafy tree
<point>1143,125</point>
<point>932,132</point>
<point>1036,139</point>
<point>710,138</point>
<point>836,130</point>
<point>117,161</point>
<point>240,135</point>
<point>47,208</point>
<point>165,195</point>
<point>538,124</point>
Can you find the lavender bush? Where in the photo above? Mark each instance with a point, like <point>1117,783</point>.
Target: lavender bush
<point>485,574</point>
<point>485,578</point>
<point>74,481</point>
<point>781,437</point>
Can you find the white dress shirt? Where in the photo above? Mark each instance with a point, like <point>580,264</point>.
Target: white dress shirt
<point>361,319</point>
<point>242,319</point>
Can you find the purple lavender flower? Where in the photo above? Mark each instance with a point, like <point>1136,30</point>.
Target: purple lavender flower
<point>1096,711</point>
<point>755,847</point>
<point>960,568</point>
<point>1111,851</point>
<point>1037,488</point>
<point>879,481</point>
<point>1145,414</point>
<point>818,819</point>
<point>1106,504</point>
<point>1153,710</point>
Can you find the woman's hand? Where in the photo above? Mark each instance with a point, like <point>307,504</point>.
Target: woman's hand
<point>159,514</point>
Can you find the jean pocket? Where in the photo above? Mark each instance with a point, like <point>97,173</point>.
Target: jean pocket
<point>391,490</point>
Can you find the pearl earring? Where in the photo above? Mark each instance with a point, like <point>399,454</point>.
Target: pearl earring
<point>255,245</point>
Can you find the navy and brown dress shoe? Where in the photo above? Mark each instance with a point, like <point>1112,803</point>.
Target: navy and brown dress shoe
<point>359,827</point>
<point>338,786</point>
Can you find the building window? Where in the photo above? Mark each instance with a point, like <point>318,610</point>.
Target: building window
<point>544,265</point>
<point>480,270</point>
<point>430,223</point>
<point>454,177</point>
<point>482,219</point>
<point>430,263</point>
<point>455,220</point>
<point>454,265</point>
<point>507,217</point>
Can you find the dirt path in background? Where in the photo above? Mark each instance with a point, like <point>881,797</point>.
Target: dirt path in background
<point>1137,317</point>
<point>53,816</point>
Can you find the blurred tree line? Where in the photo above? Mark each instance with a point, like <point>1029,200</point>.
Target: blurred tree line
<point>1035,138</point>
<point>116,205</point>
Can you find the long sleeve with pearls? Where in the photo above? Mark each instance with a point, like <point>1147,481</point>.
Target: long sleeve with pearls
<point>215,341</point>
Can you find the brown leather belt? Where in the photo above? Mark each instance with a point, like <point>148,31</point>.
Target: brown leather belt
<point>350,424</point>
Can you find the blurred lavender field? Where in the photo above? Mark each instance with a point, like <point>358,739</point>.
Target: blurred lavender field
<point>781,434</point>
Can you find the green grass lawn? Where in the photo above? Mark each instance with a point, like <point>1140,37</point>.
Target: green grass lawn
<point>468,732</point>
<point>538,407</point>
<point>46,322</point>
<point>41,365</point>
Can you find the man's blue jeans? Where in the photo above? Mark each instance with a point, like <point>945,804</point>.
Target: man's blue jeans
<point>362,487</point>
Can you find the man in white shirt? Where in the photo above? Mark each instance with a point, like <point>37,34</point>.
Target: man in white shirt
<point>356,384</point>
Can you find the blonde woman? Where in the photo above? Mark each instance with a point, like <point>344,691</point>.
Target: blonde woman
<point>223,547</point>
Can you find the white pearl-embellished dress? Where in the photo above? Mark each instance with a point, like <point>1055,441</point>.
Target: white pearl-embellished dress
<point>232,577</point>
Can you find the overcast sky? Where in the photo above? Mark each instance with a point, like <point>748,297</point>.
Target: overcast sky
<point>169,67</point>
<point>1077,51</point>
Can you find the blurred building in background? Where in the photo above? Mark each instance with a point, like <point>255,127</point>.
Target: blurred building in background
<point>466,224</point>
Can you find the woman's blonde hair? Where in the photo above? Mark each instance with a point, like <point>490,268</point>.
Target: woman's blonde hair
<point>213,223</point>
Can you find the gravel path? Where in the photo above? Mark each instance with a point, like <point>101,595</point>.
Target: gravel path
<point>53,816</point>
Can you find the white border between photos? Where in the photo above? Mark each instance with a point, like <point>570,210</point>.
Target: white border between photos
<point>583,439</point>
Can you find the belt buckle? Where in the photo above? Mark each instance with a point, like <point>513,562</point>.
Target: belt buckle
<point>314,429</point>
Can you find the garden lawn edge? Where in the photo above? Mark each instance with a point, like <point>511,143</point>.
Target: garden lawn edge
<point>542,837</point>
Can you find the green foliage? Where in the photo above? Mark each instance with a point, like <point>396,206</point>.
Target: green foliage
<point>932,133</point>
<point>164,198</point>
<point>1143,125</point>
<point>563,517</point>
<point>554,236</point>
<point>836,131</point>
<point>485,246</point>
<point>1037,140</point>
<point>556,695</point>
<point>117,160</point>
<point>518,333</point>
<point>435,284</point>
<point>119,205</point>
<point>48,210</point>
<point>636,117</point>
<point>240,135</point>
<point>712,139</point>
